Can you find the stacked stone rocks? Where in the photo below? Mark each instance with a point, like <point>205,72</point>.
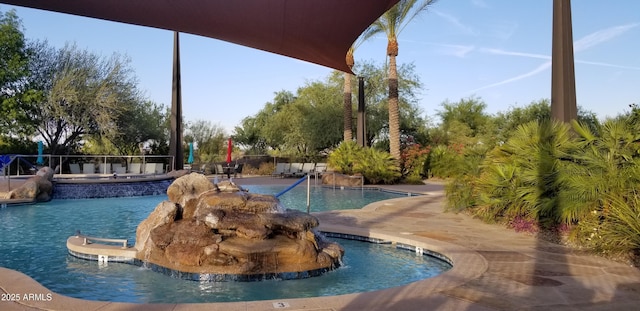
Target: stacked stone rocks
<point>223,229</point>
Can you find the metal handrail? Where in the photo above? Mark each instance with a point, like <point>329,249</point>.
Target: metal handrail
<point>87,240</point>
<point>294,185</point>
<point>99,159</point>
<point>291,187</point>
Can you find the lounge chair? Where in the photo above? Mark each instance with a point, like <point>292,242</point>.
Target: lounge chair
<point>307,168</point>
<point>88,168</point>
<point>104,168</point>
<point>75,168</point>
<point>237,170</point>
<point>320,168</point>
<point>135,168</point>
<point>219,169</point>
<point>120,169</point>
<point>153,168</point>
<point>282,170</point>
<point>295,169</point>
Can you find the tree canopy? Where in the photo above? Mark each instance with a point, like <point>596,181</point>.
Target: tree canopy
<point>70,97</point>
<point>310,122</point>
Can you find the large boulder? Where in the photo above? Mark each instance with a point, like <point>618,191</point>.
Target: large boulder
<point>165,213</point>
<point>177,173</point>
<point>223,229</point>
<point>46,173</point>
<point>342,180</point>
<point>37,188</point>
<point>27,191</point>
<point>185,191</point>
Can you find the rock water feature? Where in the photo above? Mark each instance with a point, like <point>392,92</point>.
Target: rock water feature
<point>222,232</point>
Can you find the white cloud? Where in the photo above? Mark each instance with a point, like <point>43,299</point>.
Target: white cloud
<point>502,30</point>
<point>453,49</point>
<point>455,22</point>
<point>582,44</point>
<point>601,36</point>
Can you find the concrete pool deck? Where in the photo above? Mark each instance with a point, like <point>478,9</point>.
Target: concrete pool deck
<point>494,268</point>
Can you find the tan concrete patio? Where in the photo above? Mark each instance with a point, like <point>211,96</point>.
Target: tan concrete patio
<point>494,268</point>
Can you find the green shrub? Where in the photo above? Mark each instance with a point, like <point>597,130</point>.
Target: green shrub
<point>343,158</point>
<point>376,166</point>
<point>602,199</point>
<point>446,161</point>
<point>525,176</point>
<point>414,163</point>
<point>460,193</point>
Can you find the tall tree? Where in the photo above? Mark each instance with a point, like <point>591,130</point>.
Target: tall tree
<point>392,23</point>
<point>248,135</point>
<point>348,104</point>
<point>14,64</point>
<point>86,95</point>
<point>412,124</point>
<point>142,121</point>
<point>348,79</point>
<point>209,139</point>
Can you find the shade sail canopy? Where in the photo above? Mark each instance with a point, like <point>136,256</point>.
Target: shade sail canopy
<point>317,31</point>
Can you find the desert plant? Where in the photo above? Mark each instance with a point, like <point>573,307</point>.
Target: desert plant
<point>621,232</point>
<point>523,178</point>
<point>413,161</point>
<point>445,161</point>
<point>343,158</point>
<point>605,178</point>
<point>376,166</point>
<point>461,193</point>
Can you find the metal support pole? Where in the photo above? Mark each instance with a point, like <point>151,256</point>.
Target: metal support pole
<point>362,126</point>
<point>175,144</point>
<point>308,195</point>
<point>563,78</point>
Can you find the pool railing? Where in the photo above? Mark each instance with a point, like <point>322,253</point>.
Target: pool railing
<point>88,239</point>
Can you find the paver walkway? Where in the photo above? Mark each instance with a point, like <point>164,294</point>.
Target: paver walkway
<point>494,268</point>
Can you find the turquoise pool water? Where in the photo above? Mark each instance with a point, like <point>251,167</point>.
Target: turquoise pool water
<point>33,237</point>
<point>323,198</point>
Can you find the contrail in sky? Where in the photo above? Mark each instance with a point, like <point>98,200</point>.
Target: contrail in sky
<point>539,69</point>
<point>584,43</point>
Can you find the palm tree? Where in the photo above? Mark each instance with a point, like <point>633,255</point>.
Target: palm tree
<point>392,23</point>
<point>348,105</point>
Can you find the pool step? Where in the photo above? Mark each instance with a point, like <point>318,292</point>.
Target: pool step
<point>84,247</point>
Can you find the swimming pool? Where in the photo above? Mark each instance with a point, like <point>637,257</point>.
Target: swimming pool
<point>325,198</point>
<point>33,242</point>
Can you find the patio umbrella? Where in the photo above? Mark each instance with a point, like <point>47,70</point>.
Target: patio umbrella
<point>40,160</point>
<point>190,158</point>
<point>229,150</point>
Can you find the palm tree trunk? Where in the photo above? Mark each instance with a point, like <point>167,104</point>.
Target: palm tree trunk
<point>394,113</point>
<point>348,110</point>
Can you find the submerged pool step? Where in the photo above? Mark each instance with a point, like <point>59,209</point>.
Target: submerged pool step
<point>83,247</point>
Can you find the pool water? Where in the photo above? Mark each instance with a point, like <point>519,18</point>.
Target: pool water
<point>33,241</point>
<point>324,198</point>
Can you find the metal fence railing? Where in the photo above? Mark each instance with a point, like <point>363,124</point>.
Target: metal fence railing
<point>88,164</point>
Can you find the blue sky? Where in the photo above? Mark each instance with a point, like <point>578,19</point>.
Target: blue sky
<point>497,50</point>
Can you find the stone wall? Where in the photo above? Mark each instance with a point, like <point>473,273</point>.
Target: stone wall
<point>110,189</point>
